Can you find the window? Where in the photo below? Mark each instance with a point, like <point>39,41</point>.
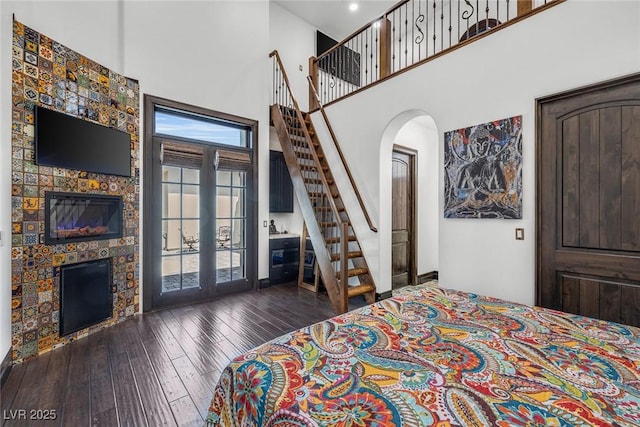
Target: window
<point>196,127</point>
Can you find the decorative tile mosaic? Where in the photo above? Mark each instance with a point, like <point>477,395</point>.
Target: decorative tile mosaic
<point>50,74</point>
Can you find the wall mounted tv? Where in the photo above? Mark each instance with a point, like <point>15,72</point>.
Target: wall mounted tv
<point>68,142</point>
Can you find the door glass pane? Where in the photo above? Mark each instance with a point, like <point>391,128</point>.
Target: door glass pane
<point>223,178</point>
<point>230,226</point>
<point>190,271</point>
<point>191,201</point>
<point>237,233</point>
<point>171,279</point>
<point>180,228</point>
<point>223,202</point>
<point>238,265</point>
<point>191,176</point>
<point>239,198</point>
<point>170,174</point>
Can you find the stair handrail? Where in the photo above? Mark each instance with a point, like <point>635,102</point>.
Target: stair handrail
<point>344,227</point>
<point>316,160</point>
<point>372,226</point>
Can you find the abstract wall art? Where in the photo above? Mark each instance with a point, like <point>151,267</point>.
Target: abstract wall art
<point>483,170</point>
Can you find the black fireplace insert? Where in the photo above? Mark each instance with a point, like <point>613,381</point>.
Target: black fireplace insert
<point>72,217</point>
<point>86,297</point>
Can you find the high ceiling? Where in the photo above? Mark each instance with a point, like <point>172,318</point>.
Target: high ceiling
<point>333,17</point>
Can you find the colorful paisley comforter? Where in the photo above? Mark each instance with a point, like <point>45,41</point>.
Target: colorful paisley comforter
<point>438,357</point>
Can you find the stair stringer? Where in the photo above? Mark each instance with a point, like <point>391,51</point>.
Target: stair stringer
<point>360,262</point>
<point>337,293</point>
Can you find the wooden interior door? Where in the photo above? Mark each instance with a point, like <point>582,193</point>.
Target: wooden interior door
<point>588,201</point>
<point>402,219</point>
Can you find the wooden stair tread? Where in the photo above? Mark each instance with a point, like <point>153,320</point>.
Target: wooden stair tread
<point>328,224</point>
<point>350,255</point>
<point>328,208</point>
<point>312,180</point>
<point>329,240</point>
<point>352,272</point>
<point>354,291</point>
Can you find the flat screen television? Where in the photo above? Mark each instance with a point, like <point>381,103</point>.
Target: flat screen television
<point>68,142</point>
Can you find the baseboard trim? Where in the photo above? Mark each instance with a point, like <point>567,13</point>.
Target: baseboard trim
<point>423,278</point>
<point>263,283</point>
<point>384,295</point>
<point>5,368</point>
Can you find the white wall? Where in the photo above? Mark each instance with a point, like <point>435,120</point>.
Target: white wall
<point>212,54</point>
<point>295,41</point>
<point>570,45</point>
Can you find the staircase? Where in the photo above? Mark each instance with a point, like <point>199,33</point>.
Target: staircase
<point>339,256</point>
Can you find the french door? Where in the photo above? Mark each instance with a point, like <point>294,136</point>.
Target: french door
<point>200,222</point>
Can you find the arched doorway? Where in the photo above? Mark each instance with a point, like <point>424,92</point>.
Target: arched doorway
<point>413,132</point>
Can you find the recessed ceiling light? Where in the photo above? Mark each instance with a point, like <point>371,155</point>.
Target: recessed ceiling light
<point>353,7</point>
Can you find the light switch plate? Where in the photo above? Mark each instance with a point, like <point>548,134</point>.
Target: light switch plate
<point>519,233</point>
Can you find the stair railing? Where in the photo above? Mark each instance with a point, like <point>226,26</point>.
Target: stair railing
<point>409,34</point>
<point>372,226</point>
<point>282,96</point>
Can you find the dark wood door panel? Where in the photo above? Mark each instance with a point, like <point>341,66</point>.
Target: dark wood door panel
<point>402,219</point>
<point>588,201</point>
<point>600,154</point>
<point>600,297</point>
<point>630,180</point>
<point>625,267</point>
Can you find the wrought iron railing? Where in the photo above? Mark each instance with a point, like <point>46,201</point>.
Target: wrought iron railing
<point>411,32</point>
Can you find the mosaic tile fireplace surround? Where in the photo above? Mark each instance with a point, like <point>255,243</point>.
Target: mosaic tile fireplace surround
<point>48,74</point>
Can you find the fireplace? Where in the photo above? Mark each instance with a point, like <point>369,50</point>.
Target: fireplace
<point>86,296</point>
<point>72,217</point>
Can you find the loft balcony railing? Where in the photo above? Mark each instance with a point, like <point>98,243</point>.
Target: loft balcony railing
<point>409,34</point>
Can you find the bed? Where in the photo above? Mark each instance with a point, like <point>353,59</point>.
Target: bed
<point>438,357</point>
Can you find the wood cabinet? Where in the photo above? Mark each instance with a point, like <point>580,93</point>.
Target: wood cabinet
<point>284,253</point>
<point>280,186</point>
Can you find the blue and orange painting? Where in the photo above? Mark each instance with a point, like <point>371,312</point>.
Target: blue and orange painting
<point>483,170</point>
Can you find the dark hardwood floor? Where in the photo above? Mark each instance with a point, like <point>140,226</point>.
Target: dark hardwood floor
<point>156,369</point>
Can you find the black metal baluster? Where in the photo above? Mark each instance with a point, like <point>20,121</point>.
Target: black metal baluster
<point>507,10</point>
<point>377,74</point>
<point>413,19</point>
<point>406,33</point>
<point>426,28</point>
<point>371,67</point>
<point>335,71</point>
<point>339,71</point>
<point>477,15</point>
<point>273,82</point>
<point>325,78</point>
<point>434,26</point>
<point>450,27</point>
<point>366,57</point>
<point>486,22</point>
<point>393,42</point>
<point>441,25</point>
